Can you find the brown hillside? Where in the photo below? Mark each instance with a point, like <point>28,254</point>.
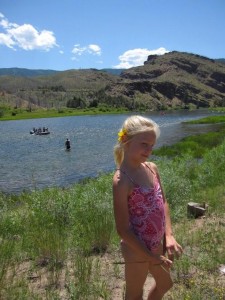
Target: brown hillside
<point>53,90</point>
<point>172,80</point>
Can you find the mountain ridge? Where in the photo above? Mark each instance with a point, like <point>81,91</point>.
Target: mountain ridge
<point>173,80</point>
<point>27,72</point>
<point>24,72</point>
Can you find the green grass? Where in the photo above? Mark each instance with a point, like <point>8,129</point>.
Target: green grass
<point>54,227</point>
<point>209,120</point>
<point>21,114</point>
<point>61,243</point>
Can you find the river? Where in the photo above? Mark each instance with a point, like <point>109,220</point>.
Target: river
<point>29,161</point>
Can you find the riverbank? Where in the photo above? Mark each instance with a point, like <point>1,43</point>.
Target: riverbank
<point>62,244</point>
<point>197,145</point>
<point>23,114</point>
<point>9,114</point>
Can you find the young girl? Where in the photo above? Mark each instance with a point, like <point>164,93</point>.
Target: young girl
<point>141,211</point>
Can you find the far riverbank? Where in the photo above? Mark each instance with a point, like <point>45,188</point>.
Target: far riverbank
<point>11,114</point>
<point>24,114</point>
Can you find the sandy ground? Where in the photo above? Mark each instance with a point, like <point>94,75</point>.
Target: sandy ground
<point>35,275</point>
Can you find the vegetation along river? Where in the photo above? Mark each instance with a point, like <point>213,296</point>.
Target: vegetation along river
<point>30,161</point>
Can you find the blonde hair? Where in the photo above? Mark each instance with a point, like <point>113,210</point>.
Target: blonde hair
<point>132,126</point>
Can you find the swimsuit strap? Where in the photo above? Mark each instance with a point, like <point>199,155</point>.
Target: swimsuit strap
<point>150,169</point>
<point>127,176</point>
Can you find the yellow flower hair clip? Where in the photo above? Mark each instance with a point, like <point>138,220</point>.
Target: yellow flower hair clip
<point>121,134</point>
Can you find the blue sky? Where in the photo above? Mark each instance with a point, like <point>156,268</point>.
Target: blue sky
<point>81,34</point>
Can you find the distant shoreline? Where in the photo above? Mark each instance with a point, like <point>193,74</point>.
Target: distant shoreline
<point>23,114</point>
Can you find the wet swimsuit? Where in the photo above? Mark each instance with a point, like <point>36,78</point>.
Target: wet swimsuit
<point>146,212</point>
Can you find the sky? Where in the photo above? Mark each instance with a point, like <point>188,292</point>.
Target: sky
<point>82,34</point>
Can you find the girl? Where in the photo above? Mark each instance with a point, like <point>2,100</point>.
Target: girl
<point>141,211</point>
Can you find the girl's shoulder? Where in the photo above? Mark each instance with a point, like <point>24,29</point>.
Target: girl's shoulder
<point>120,180</point>
<point>119,177</point>
<point>152,166</point>
<point>154,169</point>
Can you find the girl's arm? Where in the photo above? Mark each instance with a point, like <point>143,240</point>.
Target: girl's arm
<point>172,246</point>
<point>120,195</point>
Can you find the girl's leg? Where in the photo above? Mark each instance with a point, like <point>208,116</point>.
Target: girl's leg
<point>135,274</point>
<point>163,280</point>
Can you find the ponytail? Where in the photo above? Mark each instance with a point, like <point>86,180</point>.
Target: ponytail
<point>118,154</point>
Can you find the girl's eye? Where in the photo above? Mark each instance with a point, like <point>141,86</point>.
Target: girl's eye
<point>146,145</point>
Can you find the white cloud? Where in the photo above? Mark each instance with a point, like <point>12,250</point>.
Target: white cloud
<point>77,50</point>
<point>137,57</point>
<point>90,49</point>
<point>94,49</point>
<point>6,40</point>
<point>25,36</point>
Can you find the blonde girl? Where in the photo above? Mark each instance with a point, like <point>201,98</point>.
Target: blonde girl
<point>141,211</point>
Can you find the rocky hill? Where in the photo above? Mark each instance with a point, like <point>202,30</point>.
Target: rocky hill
<point>172,80</point>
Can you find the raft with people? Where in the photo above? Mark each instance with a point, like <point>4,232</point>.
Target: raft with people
<point>40,131</point>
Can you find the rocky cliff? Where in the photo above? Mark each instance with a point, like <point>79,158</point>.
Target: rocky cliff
<point>174,79</point>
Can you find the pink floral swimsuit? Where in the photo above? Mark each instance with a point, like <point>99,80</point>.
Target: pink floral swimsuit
<point>146,213</point>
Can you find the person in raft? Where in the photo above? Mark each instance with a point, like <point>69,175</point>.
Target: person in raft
<point>141,211</point>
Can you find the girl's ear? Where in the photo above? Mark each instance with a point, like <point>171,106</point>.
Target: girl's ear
<point>126,143</point>
<point>124,139</point>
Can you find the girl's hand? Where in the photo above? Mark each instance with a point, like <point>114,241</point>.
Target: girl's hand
<point>166,261</point>
<point>173,248</point>
<point>162,260</point>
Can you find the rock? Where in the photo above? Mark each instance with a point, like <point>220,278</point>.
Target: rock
<point>196,210</point>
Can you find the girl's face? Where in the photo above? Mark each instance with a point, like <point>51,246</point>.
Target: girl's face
<point>140,146</point>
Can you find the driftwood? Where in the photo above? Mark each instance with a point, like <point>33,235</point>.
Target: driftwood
<point>196,210</point>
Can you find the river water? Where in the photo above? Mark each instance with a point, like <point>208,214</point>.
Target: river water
<point>28,161</point>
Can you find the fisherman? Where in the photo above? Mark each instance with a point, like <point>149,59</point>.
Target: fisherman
<point>67,144</point>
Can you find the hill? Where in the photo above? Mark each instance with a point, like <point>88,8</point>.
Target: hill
<point>113,71</point>
<point>75,86</point>
<point>173,80</point>
<point>22,72</point>
<point>25,72</point>
<point>222,60</point>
